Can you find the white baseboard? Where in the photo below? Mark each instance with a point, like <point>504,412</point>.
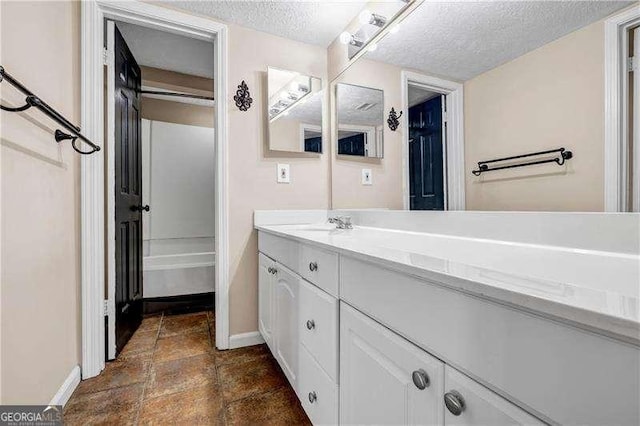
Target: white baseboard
<point>70,383</point>
<point>245,339</point>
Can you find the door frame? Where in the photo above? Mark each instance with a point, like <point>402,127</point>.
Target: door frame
<point>454,187</point>
<point>616,109</point>
<point>93,204</point>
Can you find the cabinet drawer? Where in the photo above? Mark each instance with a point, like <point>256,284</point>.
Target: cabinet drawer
<point>318,326</point>
<point>317,392</point>
<point>480,406</point>
<point>283,250</point>
<point>320,267</point>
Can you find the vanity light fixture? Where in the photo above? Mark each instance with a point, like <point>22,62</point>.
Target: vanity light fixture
<point>368,17</point>
<point>348,38</point>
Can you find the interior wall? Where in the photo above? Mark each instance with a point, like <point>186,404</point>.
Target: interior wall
<point>549,98</point>
<point>176,112</point>
<point>40,228</point>
<point>348,192</point>
<point>252,167</point>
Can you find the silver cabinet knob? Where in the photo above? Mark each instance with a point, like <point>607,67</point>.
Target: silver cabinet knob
<point>313,266</point>
<point>454,402</point>
<point>274,271</point>
<point>311,324</point>
<point>420,379</point>
<point>312,397</point>
<point>270,269</point>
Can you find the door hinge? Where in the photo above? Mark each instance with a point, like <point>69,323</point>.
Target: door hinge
<point>632,64</point>
<point>106,308</point>
<point>445,116</point>
<point>105,56</point>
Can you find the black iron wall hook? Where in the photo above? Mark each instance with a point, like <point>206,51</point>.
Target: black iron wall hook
<point>32,100</point>
<point>564,155</point>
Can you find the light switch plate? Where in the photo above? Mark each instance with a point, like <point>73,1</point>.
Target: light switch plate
<point>283,173</point>
<point>367,178</point>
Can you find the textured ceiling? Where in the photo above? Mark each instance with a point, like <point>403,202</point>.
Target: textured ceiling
<point>349,97</point>
<point>309,112</point>
<point>460,40</point>
<point>314,22</point>
<point>167,51</point>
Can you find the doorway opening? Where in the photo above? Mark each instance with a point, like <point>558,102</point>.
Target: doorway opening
<point>160,187</point>
<point>433,149</point>
<point>427,149</point>
<point>98,225</point>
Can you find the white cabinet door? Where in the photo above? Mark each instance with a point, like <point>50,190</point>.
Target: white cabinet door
<point>377,369</point>
<point>470,403</point>
<point>286,325</point>
<point>265,298</point>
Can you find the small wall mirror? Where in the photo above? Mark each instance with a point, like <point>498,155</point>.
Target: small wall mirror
<point>294,111</point>
<point>360,118</point>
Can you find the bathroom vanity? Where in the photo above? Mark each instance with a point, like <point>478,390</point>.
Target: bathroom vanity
<point>388,326</point>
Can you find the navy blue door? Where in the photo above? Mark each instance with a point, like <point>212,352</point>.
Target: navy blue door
<point>351,145</point>
<point>426,180</point>
<point>313,144</point>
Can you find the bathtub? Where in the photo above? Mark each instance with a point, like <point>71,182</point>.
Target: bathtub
<point>176,268</point>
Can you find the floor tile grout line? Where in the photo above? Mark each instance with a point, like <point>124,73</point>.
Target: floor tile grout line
<point>148,372</point>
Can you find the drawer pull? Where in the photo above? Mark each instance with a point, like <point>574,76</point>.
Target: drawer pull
<point>313,266</point>
<point>420,379</point>
<point>311,324</point>
<point>454,402</point>
<point>312,397</point>
<point>270,270</point>
<point>274,271</point>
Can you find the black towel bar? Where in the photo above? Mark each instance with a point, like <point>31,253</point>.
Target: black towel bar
<point>34,101</point>
<point>564,155</point>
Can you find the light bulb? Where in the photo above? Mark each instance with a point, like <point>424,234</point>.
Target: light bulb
<point>365,16</point>
<point>284,96</point>
<point>346,37</point>
<point>373,47</point>
<point>394,29</point>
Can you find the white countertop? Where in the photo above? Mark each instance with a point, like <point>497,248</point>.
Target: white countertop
<point>594,290</point>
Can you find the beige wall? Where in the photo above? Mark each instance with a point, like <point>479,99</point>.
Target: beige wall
<point>176,112</point>
<point>252,168</point>
<point>40,314</point>
<point>346,171</point>
<point>548,98</point>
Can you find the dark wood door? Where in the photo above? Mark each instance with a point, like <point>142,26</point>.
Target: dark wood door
<point>426,178</point>
<point>128,193</point>
<point>352,145</point>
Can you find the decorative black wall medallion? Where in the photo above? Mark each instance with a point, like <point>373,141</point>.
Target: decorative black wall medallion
<point>243,97</point>
<point>394,119</point>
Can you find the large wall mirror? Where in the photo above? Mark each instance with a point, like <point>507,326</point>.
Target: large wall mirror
<point>360,120</point>
<point>501,104</point>
<point>294,111</point>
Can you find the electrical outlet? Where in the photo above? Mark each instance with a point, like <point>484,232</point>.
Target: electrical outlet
<point>367,178</point>
<point>283,173</point>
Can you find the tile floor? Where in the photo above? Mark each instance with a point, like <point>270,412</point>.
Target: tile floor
<point>171,373</point>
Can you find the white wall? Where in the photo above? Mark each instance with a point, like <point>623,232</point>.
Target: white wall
<point>178,184</point>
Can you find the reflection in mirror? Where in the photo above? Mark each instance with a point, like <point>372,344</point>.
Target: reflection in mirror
<point>295,111</point>
<point>360,118</point>
<point>502,108</point>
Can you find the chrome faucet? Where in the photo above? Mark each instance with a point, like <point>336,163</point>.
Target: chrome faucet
<point>342,222</point>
